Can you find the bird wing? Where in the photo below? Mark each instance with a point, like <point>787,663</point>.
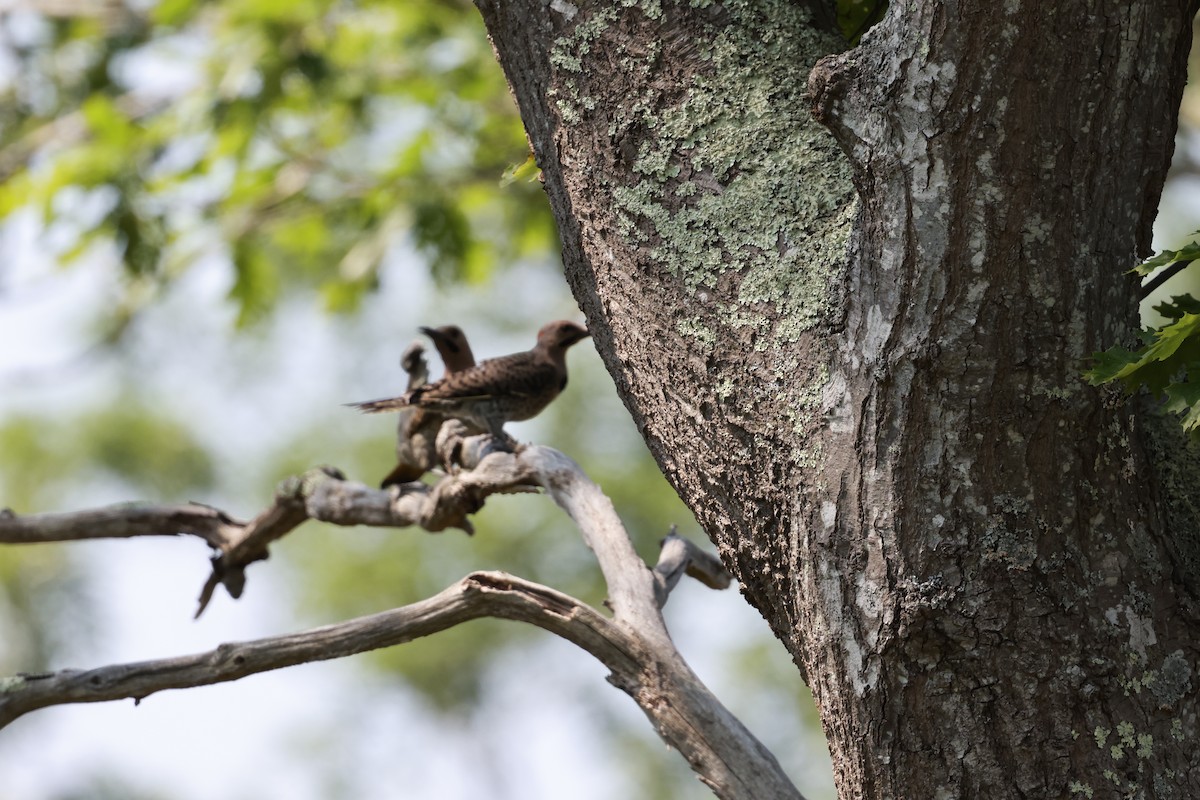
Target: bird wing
<point>379,406</point>
<point>517,375</point>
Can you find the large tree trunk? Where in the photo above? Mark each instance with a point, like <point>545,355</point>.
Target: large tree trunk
<point>858,359</point>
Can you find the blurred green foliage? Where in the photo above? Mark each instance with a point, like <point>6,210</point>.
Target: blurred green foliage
<point>153,454</point>
<point>855,17</point>
<point>1167,360</point>
<point>43,591</point>
<point>301,140</point>
<point>40,588</point>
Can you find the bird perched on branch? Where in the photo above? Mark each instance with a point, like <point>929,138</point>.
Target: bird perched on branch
<point>510,388</point>
<point>452,346</point>
<point>417,428</point>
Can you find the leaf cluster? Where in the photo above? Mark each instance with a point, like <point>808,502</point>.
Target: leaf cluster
<point>299,140</point>
<point>1167,363</point>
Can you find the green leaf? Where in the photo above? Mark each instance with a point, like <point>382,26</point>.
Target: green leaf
<point>173,12</point>
<point>527,171</point>
<point>442,232</point>
<point>344,297</point>
<point>107,122</point>
<point>383,109</point>
<point>1174,346</point>
<point>1178,306</point>
<point>1184,398</point>
<point>257,284</point>
<point>1107,365</point>
<point>278,11</point>
<point>1174,351</point>
<point>1188,253</point>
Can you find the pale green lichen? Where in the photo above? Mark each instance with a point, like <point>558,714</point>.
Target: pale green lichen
<point>1132,685</point>
<point>1145,747</point>
<point>810,457</point>
<point>736,190</point>
<point>1081,788</point>
<point>694,329</point>
<point>10,683</point>
<point>1129,742</point>
<point>742,126</point>
<point>567,111</point>
<point>686,190</point>
<point>1164,787</point>
<point>651,8</point>
<point>566,60</point>
<point>1043,389</point>
<point>566,52</point>
<point>1006,542</point>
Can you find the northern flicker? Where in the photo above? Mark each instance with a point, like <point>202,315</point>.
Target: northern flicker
<point>412,361</point>
<point>452,346</point>
<point>510,388</point>
<point>417,428</point>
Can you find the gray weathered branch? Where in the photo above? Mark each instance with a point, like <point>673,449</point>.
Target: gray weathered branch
<point>119,521</point>
<point>720,750</point>
<point>634,643</point>
<point>679,557</point>
<point>321,494</point>
<point>482,594</point>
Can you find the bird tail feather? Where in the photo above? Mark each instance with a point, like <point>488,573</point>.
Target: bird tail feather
<point>380,406</point>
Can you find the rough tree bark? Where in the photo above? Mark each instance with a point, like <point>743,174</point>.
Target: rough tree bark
<point>854,345</point>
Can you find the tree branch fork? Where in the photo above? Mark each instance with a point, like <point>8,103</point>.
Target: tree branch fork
<point>632,642</point>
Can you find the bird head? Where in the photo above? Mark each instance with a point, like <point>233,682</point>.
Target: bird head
<point>412,360</point>
<point>561,334</point>
<point>451,344</point>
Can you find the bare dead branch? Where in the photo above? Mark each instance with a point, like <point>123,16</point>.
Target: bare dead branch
<point>680,556</point>
<point>634,644</point>
<point>720,750</point>
<point>322,494</point>
<point>120,521</point>
<point>724,754</point>
<point>482,594</point>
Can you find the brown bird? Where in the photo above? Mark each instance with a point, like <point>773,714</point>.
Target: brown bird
<point>417,428</point>
<point>412,361</point>
<point>510,388</point>
<point>452,346</point>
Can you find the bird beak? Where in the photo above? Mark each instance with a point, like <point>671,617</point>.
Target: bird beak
<point>438,336</point>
